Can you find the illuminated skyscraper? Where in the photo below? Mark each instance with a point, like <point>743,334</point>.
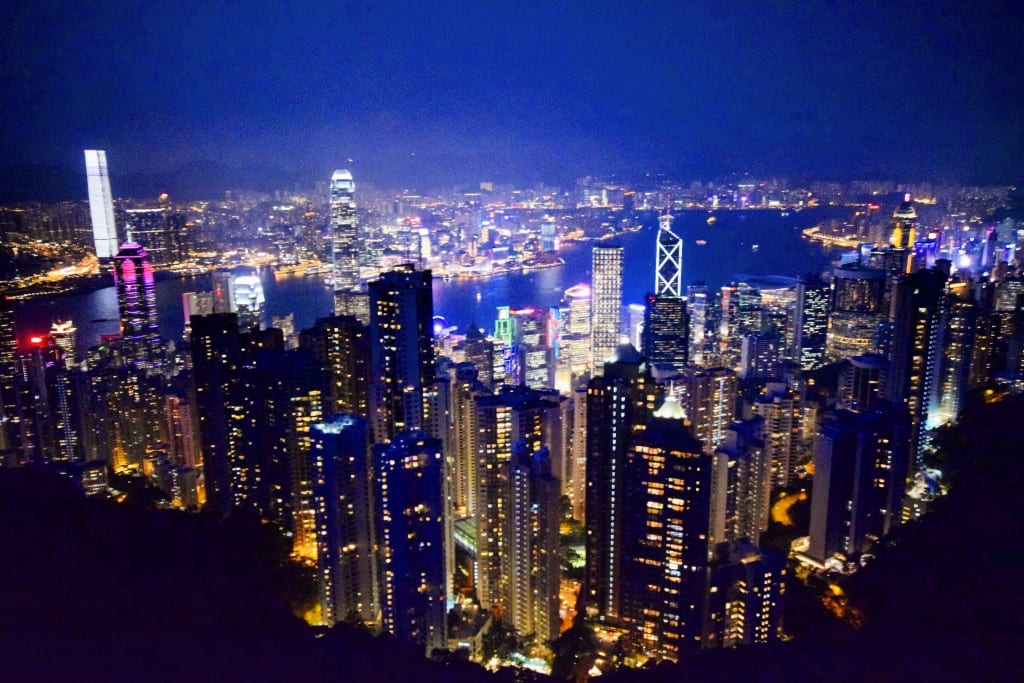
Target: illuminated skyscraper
<point>745,604</point>
<point>668,269</point>
<point>344,519</point>
<point>904,233</point>
<point>344,245</point>
<point>697,307</point>
<point>49,410</point>
<point>239,290</point>
<point>341,344</point>
<point>857,310</point>
<point>409,490</point>
<point>9,428</point>
<point>918,309</point>
<point>159,231</point>
<point>576,329</point>
<point>63,335</point>
<point>401,350</point>
<point>741,481</point>
<point>195,303</point>
<point>607,303</point>
<point>810,322</point>
<point>101,203</point>
<point>780,407</point>
<point>136,303</point>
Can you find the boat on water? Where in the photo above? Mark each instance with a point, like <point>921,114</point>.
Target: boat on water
<point>701,243</point>
<point>711,220</point>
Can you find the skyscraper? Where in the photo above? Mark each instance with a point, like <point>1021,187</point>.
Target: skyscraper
<point>810,323</point>
<point>709,398</point>
<point>668,269</point>
<point>401,350</point>
<point>409,491</point>
<point>666,332</point>
<point>857,309</point>
<point>10,431</point>
<point>607,303</point>
<point>49,416</point>
<point>780,407</point>
<point>136,303</point>
<point>344,246</point>
<point>665,535</point>
<point>101,203</point>
<point>741,484</point>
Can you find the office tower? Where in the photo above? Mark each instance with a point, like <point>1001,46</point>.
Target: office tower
<point>576,329</point>
<point>617,401</point>
<point>239,290</point>
<point>917,311</point>
<point>340,447</point>
<point>760,355</point>
<point>408,488</point>
<point>861,382</point>
<point>159,233</point>
<point>49,417</point>
<point>860,470</point>
<point>708,395</point>
<point>532,562</point>
<point>286,323</point>
<point>531,349</point>
<point>857,309</point>
<point>606,288</point>
<point>697,307</point>
<point>810,324</point>
<point>217,359</point>
<point>501,420</point>
<point>748,587</point>
<point>101,204</point>
<point>668,269</point>
<point>341,344</point>
<point>63,335</point>
<point>665,535</point>
<point>195,303</point>
<point>10,429</point>
<point>401,350</point>
<point>666,335</point>
<point>904,233</point>
<point>348,297</point>
<point>479,350</point>
<point>548,238</point>
<point>741,484</point>
<point>136,303</point>
<point>780,406</point>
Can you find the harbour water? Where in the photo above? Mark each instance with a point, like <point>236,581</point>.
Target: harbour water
<point>737,243</point>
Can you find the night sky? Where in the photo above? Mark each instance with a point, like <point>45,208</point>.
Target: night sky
<point>433,93</point>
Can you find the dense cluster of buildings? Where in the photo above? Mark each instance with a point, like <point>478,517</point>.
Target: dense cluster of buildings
<point>426,473</point>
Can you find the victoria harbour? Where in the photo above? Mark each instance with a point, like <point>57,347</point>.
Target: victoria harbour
<point>735,245</point>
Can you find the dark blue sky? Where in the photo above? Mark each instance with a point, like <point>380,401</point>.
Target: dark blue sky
<point>422,92</point>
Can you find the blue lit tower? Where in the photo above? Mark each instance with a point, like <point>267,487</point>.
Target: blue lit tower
<point>136,303</point>
<point>101,203</point>
<point>409,490</point>
<point>668,270</point>
<point>344,245</point>
<point>401,350</point>
<point>344,519</point>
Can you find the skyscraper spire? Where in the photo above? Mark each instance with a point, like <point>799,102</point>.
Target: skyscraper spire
<point>668,272</point>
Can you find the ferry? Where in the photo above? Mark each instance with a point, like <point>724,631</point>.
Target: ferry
<point>711,220</point>
<point>701,243</point>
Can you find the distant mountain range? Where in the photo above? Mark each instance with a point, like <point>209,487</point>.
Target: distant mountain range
<point>197,180</point>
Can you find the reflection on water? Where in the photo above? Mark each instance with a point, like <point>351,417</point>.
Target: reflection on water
<point>728,250</point>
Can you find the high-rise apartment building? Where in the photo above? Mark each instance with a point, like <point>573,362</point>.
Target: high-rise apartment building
<point>781,408</point>
<point>708,395</point>
<point>101,203</point>
<point>617,401</point>
<point>344,519</point>
<point>409,490</point>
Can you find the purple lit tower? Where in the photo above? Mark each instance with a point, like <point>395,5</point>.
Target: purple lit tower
<point>136,303</point>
